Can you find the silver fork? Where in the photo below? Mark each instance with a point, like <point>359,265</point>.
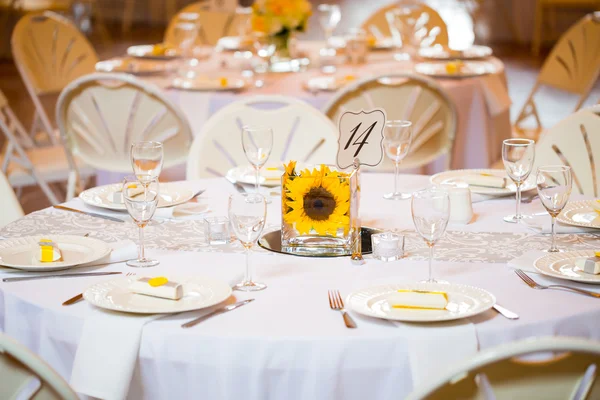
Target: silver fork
<point>336,303</point>
<point>533,284</point>
<point>78,297</point>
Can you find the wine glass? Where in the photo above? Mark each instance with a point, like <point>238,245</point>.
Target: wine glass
<point>430,210</point>
<point>554,184</point>
<point>185,35</point>
<point>147,160</point>
<point>518,156</point>
<point>330,16</point>
<point>258,143</point>
<point>141,207</point>
<point>247,215</point>
<point>397,137</point>
<point>402,21</point>
<point>265,48</point>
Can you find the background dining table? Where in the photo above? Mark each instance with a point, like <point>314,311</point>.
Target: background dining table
<point>288,343</point>
<point>482,102</point>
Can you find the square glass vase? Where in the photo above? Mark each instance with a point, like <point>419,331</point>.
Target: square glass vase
<point>320,211</point>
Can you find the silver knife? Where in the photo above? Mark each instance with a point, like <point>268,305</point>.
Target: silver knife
<point>505,312</point>
<point>218,311</point>
<point>91,214</point>
<point>71,275</point>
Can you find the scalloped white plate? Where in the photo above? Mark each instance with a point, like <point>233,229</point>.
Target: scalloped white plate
<point>463,301</point>
<point>562,266</point>
<point>198,292</point>
<point>453,177</point>
<point>470,69</point>
<point>171,194</point>
<point>471,53</point>
<point>145,51</point>
<point>20,252</point>
<point>580,213</point>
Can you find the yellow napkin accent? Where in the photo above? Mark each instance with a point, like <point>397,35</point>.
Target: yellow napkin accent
<point>223,82</point>
<point>47,251</point>
<point>425,292</point>
<point>453,67</point>
<point>158,281</point>
<point>597,253</point>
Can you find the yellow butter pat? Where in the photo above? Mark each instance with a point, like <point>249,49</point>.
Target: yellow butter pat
<point>454,67</point>
<point>48,251</point>
<point>223,82</point>
<point>157,287</point>
<point>418,300</point>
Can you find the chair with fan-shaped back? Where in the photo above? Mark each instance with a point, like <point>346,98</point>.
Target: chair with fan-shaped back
<point>26,376</point>
<point>536,368</point>
<point>575,141</point>
<point>100,115</point>
<point>300,132</point>
<point>436,31</point>
<point>213,24</point>
<point>572,66</point>
<point>49,53</point>
<point>405,96</point>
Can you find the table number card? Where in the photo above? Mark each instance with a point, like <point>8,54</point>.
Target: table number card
<point>222,5</point>
<point>360,137</point>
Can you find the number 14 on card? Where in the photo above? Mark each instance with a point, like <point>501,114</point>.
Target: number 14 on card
<point>360,137</point>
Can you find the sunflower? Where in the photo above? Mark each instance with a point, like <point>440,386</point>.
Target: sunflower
<point>317,200</point>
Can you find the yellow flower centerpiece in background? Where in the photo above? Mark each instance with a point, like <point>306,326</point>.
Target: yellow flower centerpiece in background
<point>317,208</point>
<point>280,19</point>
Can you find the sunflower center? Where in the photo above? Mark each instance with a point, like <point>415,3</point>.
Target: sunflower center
<point>319,204</point>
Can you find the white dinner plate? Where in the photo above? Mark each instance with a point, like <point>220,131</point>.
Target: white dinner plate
<point>145,51</point>
<point>234,43</point>
<point>270,175</point>
<point>562,266</point>
<point>327,83</point>
<point>456,177</point>
<point>439,53</point>
<point>463,302</point>
<point>470,69</point>
<point>135,66</point>
<point>171,194</point>
<point>209,84</point>
<point>198,292</point>
<point>21,253</point>
<point>580,213</point>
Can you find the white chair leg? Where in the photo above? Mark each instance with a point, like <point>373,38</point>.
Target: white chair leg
<point>71,185</point>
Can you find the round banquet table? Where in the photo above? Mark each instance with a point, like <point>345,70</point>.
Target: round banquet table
<point>288,343</point>
<point>482,103</point>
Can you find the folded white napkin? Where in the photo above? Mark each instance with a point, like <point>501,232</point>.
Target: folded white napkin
<point>543,224</point>
<point>495,93</point>
<point>107,353</point>
<point>526,260</point>
<point>190,210</point>
<point>122,250</point>
<point>434,347</point>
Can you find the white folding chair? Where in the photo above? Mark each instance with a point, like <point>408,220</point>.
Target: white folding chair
<point>11,208</point>
<point>25,164</point>
<point>575,141</point>
<point>408,97</point>
<point>435,27</point>
<point>49,53</point>
<point>23,375</point>
<point>213,24</point>
<point>573,66</point>
<point>565,368</point>
<point>100,115</point>
<point>300,132</point>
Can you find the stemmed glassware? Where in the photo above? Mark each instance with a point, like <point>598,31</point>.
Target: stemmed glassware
<point>265,48</point>
<point>397,137</point>
<point>257,142</point>
<point>518,156</point>
<point>554,184</point>
<point>247,214</point>
<point>330,16</point>
<point>141,208</point>
<point>430,210</point>
<point>402,21</point>
<point>147,160</point>
<point>185,35</point>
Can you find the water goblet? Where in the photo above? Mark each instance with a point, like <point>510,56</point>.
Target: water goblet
<point>554,184</point>
<point>430,210</point>
<point>402,21</point>
<point>147,160</point>
<point>330,16</point>
<point>397,137</point>
<point>518,156</point>
<point>264,48</point>
<point>141,208</point>
<point>257,142</point>
<point>247,214</point>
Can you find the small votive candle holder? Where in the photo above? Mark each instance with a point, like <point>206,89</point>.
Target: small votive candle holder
<point>387,246</point>
<point>216,230</point>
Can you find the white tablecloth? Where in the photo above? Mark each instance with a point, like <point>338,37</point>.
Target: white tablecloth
<point>482,103</point>
<point>288,343</point>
